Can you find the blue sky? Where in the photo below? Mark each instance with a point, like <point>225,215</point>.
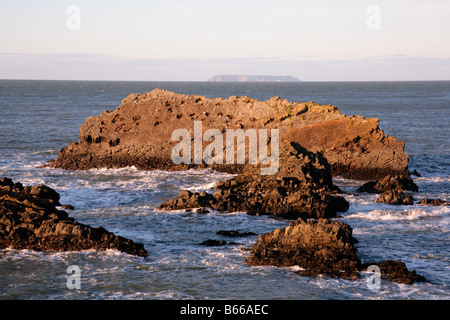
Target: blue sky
<point>322,40</point>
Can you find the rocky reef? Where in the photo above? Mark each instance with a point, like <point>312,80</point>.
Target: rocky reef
<point>30,219</point>
<point>316,143</point>
<point>138,133</point>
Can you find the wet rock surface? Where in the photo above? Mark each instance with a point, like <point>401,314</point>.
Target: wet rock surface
<point>319,246</point>
<point>395,198</point>
<point>302,187</point>
<point>390,183</point>
<point>392,189</point>
<point>317,142</point>
<point>322,246</point>
<point>433,202</point>
<point>29,219</point>
<point>396,271</point>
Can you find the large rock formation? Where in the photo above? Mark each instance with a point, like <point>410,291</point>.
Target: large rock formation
<point>29,219</point>
<point>139,133</point>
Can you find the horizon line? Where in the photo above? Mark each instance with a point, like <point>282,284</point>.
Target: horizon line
<point>266,82</point>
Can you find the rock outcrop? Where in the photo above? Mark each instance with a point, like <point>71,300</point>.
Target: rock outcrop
<point>434,202</point>
<point>390,183</point>
<point>30,219</point>
<point>323,247</point>
<point>302,187</point>
<point>138,133</point>
<point>395,198</point>
<point>396,271</point>
<point>392,189</point>
<point>318,246</point>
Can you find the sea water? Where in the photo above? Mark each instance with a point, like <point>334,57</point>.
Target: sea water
<point>38,118</point>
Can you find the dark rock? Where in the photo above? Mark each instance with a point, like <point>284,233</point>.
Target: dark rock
<point>235,233</point>
<point>188,200</point>
<point>396,198</point>
<point>214,243</point>
<point>260,197</point>
<point>68,207</point>
<point>433,202</point>
<point>30,220</point>
<point>389,183</point>
<point>415,173</point>
<point>319,246</point>
<point>6,182</point>
<point>396,271</point>
<point>324,247</point>
<point>303,187</point>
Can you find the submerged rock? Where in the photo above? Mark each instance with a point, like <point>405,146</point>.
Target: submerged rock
<point>235,233</point>
<point>29,219</point>
<point>214,243</point>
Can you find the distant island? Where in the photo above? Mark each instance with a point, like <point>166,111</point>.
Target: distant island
<point>251,78</point>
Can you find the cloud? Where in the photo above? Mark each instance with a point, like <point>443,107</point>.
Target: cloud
<point>108,67</point>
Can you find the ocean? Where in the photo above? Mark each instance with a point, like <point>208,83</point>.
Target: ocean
<point>38,118</point>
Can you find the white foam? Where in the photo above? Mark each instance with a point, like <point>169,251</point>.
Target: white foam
<point>296,268</point>
<point>411,214</point>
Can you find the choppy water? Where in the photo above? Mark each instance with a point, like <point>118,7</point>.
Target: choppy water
<point>37,118</point>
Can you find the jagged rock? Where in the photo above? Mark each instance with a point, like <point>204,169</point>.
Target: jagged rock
<point>138,133</point>
<point>415,173</point>
<point>303,187</point>
<point>434,202</point>
<point>187,200</point>
<point>318,246</point>
<point>396,271</point>
<point>355,146</point>
<point>389,183</point>
<point>395,197</point>
<point>29,219</point>
<point>323,247</point>
<point>261,197</point>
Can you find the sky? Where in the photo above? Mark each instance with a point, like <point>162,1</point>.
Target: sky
<point>192,40</point>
